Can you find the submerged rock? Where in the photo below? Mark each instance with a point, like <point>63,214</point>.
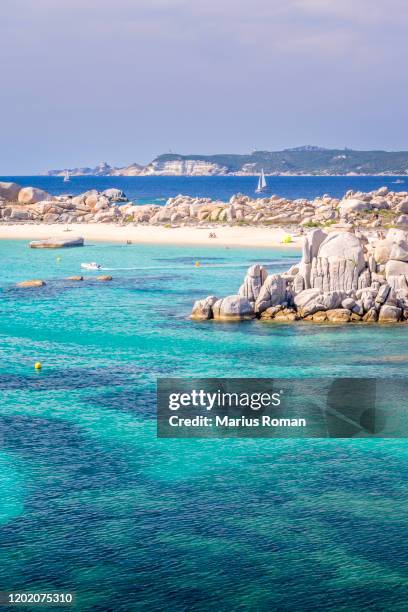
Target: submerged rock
<point>56,243</point>
<point>31,283</point>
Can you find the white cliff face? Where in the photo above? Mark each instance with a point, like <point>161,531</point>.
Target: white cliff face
<point>191,167</point>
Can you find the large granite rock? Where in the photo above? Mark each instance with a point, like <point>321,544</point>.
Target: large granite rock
<point>371,316</point>
<point>233,308</point>
<point>272,292</point>
<point>351,205</point>
<point>338,315</point>
<point>399,283</point>
<point>254,279</point>
<point>286,315</point>
<point>402,206</point>
<point>310,301</point>
<point>397,235</point>
<point>32,195</point>
<point>311,245</point>
<point>364,279</point>
<point>9,191</point>
<point>382,294</point>
<point>399,251</point>
<point>339,263</point>
<point>396,268</point>
<point>115,195</point>
<point>389,314</point>
<point>56,243</point>
<point>382,251</point>
<point>202,309</point>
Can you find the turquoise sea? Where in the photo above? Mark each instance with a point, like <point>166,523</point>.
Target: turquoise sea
<point>92,502</point>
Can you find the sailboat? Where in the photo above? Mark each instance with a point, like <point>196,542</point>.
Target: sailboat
<point>66,176</point>
<point>262,186</point>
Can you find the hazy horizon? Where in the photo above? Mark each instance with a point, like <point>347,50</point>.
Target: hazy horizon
<point>86,80</point>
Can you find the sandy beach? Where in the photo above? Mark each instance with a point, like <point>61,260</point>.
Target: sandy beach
<point>107,232</point>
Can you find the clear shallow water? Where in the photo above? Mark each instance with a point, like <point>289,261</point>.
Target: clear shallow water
<point>157,189</point>
<point>92,502</point>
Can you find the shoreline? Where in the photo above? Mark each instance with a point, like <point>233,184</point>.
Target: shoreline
<point>103,176</point>
<point>249,236</point>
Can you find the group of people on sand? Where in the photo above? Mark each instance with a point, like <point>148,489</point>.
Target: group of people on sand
<point>212,235</point>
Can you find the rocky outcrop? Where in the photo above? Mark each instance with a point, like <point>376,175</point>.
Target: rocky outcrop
<point>347,284</point>
<point>56,243</point>
<point>111,206</point>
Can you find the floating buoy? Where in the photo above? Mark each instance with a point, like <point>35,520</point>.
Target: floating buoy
<point>287,239</point>
<point>58,259</point>
<point>197,264</point>
<point>38,365</point>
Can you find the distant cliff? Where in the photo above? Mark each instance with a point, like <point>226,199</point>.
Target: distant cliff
<point>299,161</point>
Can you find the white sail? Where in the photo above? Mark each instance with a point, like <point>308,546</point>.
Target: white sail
<point>261,183</point>
<point>66,177</point>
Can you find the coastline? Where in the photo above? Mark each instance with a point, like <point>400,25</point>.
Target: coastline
<point>146,234</point>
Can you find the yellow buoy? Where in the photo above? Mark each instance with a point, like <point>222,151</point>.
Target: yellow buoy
<point>287,239</point>
<point>197,264</point>
<point>38,365</point>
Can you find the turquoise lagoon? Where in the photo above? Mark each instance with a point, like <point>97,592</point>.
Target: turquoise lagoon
<point>91,501</point>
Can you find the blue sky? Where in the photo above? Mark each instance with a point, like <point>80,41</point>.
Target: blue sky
<point>122,81</point>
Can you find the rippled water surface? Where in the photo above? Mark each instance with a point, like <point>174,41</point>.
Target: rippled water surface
<point>157,189</point>
<point>92,501</point>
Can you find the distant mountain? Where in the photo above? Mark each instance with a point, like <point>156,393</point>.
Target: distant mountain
<point>302,160</point>
<point>102,169</point>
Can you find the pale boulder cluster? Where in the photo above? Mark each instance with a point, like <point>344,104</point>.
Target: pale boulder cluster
<point>371,210</point>
<point>342,277</point>
<point>32,204</point>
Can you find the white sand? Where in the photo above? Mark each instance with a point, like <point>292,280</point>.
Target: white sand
<point>107,232</point>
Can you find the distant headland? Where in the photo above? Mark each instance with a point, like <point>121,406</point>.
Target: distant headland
<point>300,161</point>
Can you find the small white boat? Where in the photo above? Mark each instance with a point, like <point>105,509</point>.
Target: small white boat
<point>91,266</point>
<point>66,177</point>
<point>398,181</point>
<point>262,185</point>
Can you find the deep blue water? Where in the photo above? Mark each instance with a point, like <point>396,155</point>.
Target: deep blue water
<point>159,188</point>
<point>91,501</point>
